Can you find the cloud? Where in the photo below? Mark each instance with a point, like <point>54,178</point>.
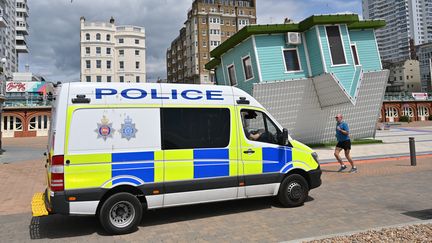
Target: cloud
<point>54,27</point>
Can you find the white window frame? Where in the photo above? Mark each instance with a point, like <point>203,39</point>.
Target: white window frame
<point>408,111</point>
<point>235,75</point>
<point>343,46</point>
<point>298,58</point>
<point>244,68</point>
<point>392,110</point>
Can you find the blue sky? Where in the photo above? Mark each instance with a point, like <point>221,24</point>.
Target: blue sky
<point>54,27</point>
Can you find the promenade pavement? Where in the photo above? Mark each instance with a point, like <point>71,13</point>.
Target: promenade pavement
<point>383,193</point>
<point>395,144</point>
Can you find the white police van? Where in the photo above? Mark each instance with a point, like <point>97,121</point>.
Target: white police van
<point>117,149</point>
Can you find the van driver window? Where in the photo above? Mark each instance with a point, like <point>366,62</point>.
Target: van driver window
<point>258,127</point>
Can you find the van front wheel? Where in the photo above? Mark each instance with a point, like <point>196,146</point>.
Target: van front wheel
<point>120,213</point>
<point>294,191</point>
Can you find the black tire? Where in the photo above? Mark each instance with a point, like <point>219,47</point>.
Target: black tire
<point>293,191</point>
<point>121,213</point>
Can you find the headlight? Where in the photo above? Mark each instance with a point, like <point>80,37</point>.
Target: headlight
<point>315,156</point>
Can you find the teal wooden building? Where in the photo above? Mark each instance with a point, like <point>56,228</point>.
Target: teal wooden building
<point>327,58</point>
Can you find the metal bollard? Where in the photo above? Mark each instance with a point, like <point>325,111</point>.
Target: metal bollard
<point>412,151</point>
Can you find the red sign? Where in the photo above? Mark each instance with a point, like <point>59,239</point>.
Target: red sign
<point>15,87</point>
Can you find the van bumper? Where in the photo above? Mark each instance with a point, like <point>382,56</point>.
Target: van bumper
<point>315,178</point>
<point>57,203</point>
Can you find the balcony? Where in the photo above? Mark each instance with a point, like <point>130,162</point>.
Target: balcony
<point>22,28</point>
<point>3,22</point>
<point>21,48</point>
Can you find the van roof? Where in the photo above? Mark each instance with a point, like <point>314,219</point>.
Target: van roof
<point>154,93</point>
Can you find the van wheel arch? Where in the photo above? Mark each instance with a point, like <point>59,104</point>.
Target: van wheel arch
<point>123,188</point>
<point>298,172</point>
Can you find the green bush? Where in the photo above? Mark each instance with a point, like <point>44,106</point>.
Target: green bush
<point>430,117</point>
<point>404,119</point>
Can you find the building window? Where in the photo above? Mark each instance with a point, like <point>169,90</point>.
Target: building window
<point>121,52</point>
<point>108,37</point>
<point>88,50</point>
<point>137,78</point>
<point>247,68</point>
<point>88,36</point>
<point>98,79</point>
<point>108,79</point>
<point>187,128</point>
<point>98,36</point>
<point>121,79</point>
<point>137,52</point>
<point>355,55</point>
<point>336,45</point>
<point>391,112</point>
<point>121,64</point>
<point>137,65</point>
<point>408,111</point>
<point>98,64</point>
<point>108,51</point>
<point>232,75</point>
<point>204,20</point>
<point>137,41</point>
<point>204,43</point>
<point>121,40</point>
<point>423,111</point>
<point>88,79</point>
<point>88,64</point>
<point>292,62</point>
<point>98,50</point>
<point>108,63</point>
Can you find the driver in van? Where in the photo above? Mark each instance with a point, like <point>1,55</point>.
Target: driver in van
<point>251,135</point>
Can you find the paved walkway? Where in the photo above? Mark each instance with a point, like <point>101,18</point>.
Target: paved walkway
<point>395,144</point>
<point>381,194</point>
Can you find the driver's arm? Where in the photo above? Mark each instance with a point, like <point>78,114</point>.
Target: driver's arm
<point>255,136</point>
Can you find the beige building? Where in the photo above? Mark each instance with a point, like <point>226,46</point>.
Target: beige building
<point>405,77</point>
<point>208,24</point>
<point>111,53</point>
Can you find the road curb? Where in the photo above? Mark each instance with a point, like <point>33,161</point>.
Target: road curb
<point>349,233</point>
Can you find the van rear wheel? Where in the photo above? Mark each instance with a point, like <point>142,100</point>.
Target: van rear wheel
<point>294,191</point>
<point>120,213</point>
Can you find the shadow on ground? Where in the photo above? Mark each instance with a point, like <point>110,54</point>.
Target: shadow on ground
<point>422,214</point>
<point>59,226</point>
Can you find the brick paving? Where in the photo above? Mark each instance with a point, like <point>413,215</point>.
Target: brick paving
<point>384,192</point>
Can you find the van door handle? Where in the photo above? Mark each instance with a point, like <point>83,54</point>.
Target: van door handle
<point>249,151</point>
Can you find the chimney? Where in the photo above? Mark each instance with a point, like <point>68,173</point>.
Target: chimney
<point>112,20</point>
<point>82,19</point>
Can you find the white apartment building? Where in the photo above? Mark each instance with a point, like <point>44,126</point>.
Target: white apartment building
<point>111,53</point>
<point>7,36</point>
<point>406,20</point>
<point>22,12</point>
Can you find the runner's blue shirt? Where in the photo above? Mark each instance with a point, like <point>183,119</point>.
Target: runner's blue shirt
<point>339,135</point>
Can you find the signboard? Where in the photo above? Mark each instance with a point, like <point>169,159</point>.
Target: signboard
<point>420,96</point>
<point>21,87</point>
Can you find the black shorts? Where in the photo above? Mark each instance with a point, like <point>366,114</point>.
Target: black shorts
<point>345,145</point>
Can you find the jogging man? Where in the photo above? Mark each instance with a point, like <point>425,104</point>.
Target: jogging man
<point>344,142</point>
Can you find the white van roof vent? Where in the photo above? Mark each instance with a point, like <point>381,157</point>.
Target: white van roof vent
<point>80,99</point>
<point>243,101</point>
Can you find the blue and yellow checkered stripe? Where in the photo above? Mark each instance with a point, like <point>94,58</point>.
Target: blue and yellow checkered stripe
<point>108,170</point>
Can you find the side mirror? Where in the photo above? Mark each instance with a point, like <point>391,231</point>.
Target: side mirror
<point>283,137</point>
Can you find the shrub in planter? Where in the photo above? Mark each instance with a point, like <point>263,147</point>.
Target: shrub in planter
<point>430,117</point>
<point>404,119</point>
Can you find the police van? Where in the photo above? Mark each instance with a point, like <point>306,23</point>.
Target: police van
<point>118,149</point>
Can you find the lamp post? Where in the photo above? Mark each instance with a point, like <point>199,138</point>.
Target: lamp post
<point>2,93</point>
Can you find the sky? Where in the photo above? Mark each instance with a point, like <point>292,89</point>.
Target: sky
<point>54,28</point>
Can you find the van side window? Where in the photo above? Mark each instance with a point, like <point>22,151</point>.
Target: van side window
<point>258,127</point>
<point>189,128</point>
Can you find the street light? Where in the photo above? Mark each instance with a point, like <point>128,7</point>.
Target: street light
<point>2,93</point>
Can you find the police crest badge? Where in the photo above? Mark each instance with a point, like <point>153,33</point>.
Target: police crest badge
<point>128,129</point>
<point>104,129</point>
